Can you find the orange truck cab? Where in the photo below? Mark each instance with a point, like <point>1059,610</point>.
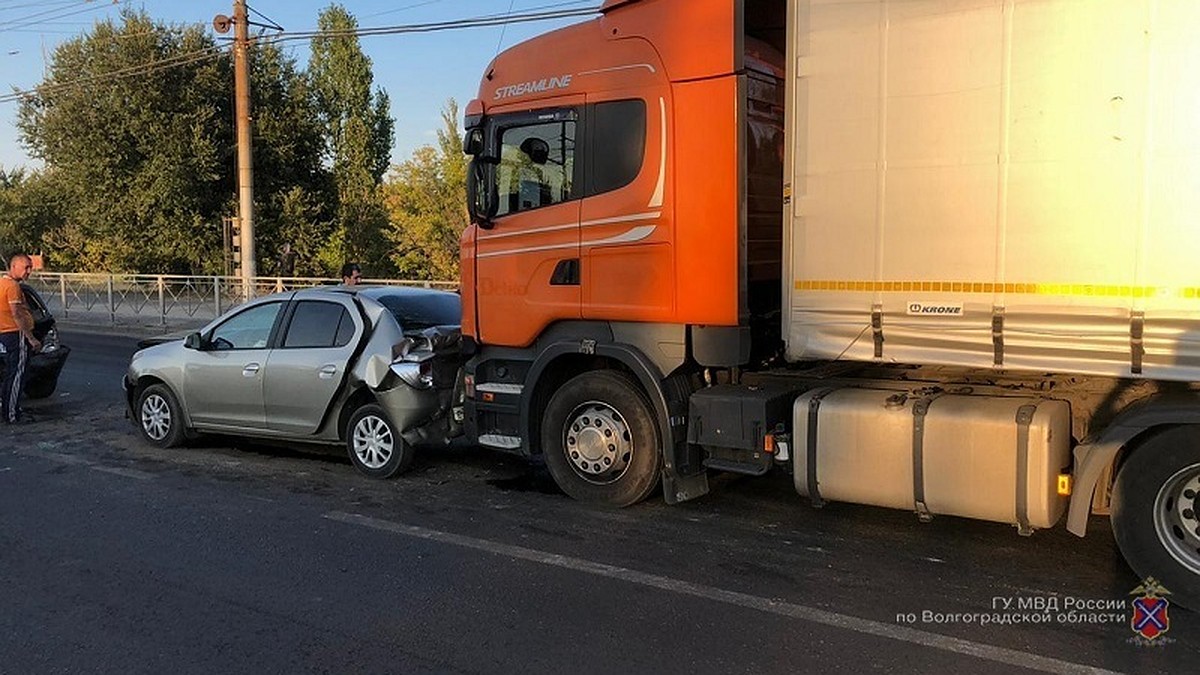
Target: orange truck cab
<point>626,208</point>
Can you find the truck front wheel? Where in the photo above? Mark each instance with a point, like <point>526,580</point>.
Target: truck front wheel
<point>600,440</point>
<point>1156,512</point>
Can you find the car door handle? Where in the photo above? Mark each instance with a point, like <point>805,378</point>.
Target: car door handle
<point>250,370</point>
<point>327,371</point>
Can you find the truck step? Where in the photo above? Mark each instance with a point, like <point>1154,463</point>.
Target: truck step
<point>500,441</point>
<point>755,468</point>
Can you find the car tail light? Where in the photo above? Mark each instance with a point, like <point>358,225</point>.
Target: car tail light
<point>416,374</point>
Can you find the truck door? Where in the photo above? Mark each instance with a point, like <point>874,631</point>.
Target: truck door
<point>527,263</point>
<point>625,228</point>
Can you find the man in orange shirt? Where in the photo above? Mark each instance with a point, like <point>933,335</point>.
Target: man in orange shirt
<point>16,331</point>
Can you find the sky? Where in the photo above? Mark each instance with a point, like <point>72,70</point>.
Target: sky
<point>418,71</point>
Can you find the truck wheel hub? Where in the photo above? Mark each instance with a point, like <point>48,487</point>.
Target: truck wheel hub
<point>1177,516</point>
<point>597,442</point>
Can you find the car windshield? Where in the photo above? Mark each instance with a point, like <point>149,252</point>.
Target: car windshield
<point>419,311</point>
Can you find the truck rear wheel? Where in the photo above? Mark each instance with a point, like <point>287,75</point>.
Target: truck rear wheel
<point>1156,512</point>
<point>600,440</point>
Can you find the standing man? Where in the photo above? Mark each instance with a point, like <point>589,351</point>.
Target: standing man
<point>16,332</point>
<point>351,274</point>
<point>287,261</point>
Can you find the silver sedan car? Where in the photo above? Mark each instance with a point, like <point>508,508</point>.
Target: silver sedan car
<point>373,368</point>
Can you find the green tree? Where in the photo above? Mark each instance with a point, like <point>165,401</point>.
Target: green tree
<point>293,191</point>
<point>139,161</point>
<point>28,207</point>
<point>426,202</point>
<point>359,133</point>
<point>134,123</point>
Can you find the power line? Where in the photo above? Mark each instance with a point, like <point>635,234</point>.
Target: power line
<point>274,24</point>
<point>504,28</point>
<point>401,9</point>
<point>10,8</point>
<point>457,24</point>
<point>554,5</point>
<point>215,51</point>
<point>123,73</point>
<point>28,17</point>
<point>40,31</point>
<point>19,23</point>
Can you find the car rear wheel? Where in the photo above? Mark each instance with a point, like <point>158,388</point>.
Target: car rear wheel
<point>159,417</point>
<point>374,443</point>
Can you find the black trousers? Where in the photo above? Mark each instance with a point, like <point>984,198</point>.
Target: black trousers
<point>15,357</point>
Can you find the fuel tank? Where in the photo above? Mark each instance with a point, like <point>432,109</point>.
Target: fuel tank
<point>986,457</point>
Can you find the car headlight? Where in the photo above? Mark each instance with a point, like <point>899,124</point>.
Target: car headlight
<point>50,342</point>
<point>416,374</point>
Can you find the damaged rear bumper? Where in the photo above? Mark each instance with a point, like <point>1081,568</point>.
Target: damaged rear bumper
<point>418,387</point>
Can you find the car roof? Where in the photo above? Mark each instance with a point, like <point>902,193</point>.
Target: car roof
<point>375,292</point>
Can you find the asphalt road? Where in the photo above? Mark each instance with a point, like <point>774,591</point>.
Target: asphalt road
<point>227,557</point>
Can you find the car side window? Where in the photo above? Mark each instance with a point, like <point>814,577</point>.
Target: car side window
<point>250,329</point>
<point>345,331</point>
<point>317,324</point>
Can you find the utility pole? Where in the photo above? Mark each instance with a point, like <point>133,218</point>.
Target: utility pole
<point>241,82</point>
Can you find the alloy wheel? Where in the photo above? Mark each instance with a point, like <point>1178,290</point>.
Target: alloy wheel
<point>373,442</point>
<point>156,417</point>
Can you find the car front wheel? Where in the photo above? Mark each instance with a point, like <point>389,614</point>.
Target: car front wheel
<point>374,443</point>
<point>159,417</point>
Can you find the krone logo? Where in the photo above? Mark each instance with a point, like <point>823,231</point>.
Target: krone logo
<point>922,309</point>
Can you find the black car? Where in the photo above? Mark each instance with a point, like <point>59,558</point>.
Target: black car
<point>41,377</point>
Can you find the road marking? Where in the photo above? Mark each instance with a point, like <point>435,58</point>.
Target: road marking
<point>128,473</point>
<point>59,457</point>
<point>73,460</point>
<point>987,652</point>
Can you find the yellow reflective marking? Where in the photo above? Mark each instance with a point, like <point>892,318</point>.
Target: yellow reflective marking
<point>975,287</point>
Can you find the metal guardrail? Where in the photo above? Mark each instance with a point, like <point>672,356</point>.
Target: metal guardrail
<point>167,298</point>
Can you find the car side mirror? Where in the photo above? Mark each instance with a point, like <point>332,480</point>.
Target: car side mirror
<point>194,341</point>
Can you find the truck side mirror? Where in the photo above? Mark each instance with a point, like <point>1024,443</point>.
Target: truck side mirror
<point>473,142</point>
<point>482,202</point>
